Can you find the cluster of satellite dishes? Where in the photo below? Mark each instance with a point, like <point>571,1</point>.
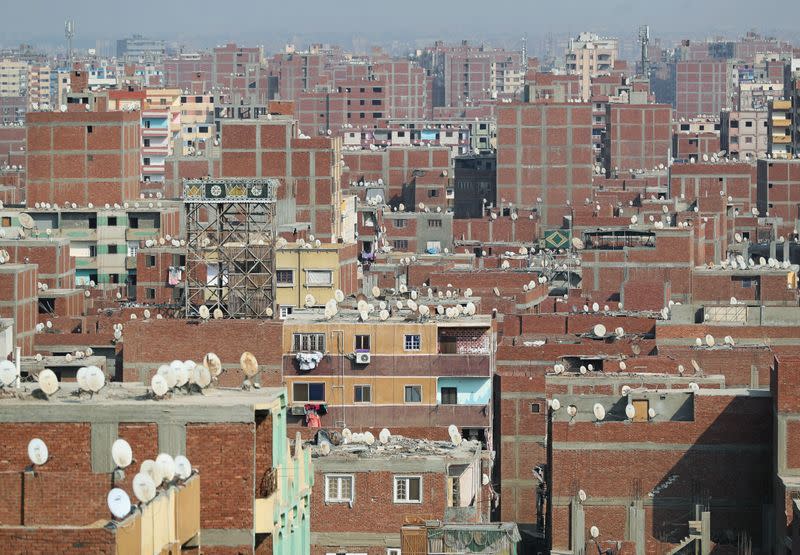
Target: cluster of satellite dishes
<point>205,313</point>
<point>709,341</point>
<point>736,262</point>
<point>163,471</point>
<point>189,376</point>
<point>162,241</point>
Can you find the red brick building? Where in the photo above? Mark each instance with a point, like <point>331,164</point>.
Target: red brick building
<point>638,136</point>
<point>702,88</point>
<point>83,157</point>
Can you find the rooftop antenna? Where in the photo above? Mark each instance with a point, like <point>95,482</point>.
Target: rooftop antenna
<point>69,33</point>
<point>524,56</point>
<point>644,40</point>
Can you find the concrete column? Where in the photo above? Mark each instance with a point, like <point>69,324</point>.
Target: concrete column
<point>577,532</point>
<point>635,526</point>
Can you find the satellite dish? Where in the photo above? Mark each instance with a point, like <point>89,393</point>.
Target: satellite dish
<point>384,315</point>
<point>167,372</point>
<point>119,503</point>
<point>694,387</point>
<point>218,314</point>
<point>144,488</point>
<point>205,314</point>
<point>37,451</point>
<point>651,412</point>
<point>626,389</point>
<point>496,291</point>
<point>555,404</point>
<point>166,466</point>
<point>710,340</point>
<point>183,468</point>
<point>634,219</point>
<point>582,495</point>
<point>577,243</point>
<point>48,381</point>
<point>376,291</point>
<point>26,220</point>
<point>599,330</point>
<point>181,375</point>
<point>159,385</point>
<point>94,379</point>
<point>201,376</point>
<point>620,332</point>
<point>338,295</point>
<point>572,410</point>
<point>121,453</point>
<point>213,363</point>
<point>594,531</point>
<point>384,436</point>
<point>249,364</point>
<point>636,349</point>
<point>630,411</point>
<point>412,305</point>
<point>8,373</point>
<point>599,411</point>
<point>622,365</point>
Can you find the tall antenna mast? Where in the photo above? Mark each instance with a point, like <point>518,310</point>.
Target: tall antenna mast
<point>524,55</point>
<point>69,32</point>
<point>644,40</point>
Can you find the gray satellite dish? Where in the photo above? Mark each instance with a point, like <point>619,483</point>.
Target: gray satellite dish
<point>8,373</point>
<point>119,503</point>
<point>201,376</point>
<point>159,385</point>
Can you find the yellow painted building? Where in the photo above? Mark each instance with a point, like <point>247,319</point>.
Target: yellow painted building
<point>318,271</point>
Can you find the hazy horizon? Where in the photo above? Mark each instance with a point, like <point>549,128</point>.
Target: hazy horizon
<point>205,23</point>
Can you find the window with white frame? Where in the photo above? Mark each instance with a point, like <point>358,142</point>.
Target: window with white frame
<point>411,342</point>
<point>285,311</point>
<point>338,488</point>
<point>308,342</point>
<point>408,489</point>
<point>319,278</point>
<point>393,551</point>
<point>362,393</point>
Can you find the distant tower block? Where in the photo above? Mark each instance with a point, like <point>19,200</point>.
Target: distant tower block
<point>230,258</point>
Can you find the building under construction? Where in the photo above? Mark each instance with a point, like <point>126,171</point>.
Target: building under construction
<point>230,259</point>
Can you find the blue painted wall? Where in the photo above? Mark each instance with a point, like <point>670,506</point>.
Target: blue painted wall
<point>471,391</point>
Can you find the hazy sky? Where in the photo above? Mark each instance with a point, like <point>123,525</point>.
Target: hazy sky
<point>270,22</point>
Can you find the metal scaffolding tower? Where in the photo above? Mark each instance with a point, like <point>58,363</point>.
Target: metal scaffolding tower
<point>230,259</point>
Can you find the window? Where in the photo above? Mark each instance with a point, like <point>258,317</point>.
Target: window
<point>306,392</point>
<point>748,124</point>
<point>284,277</point>
<point>147,142</point>
<point>400,223</point>
<point>150,261</point>
<point>202,129</point>
<point>393,551</point>
<point>149,293</point>
<point>362,342</point>
<point>411,342</point>
<point>433,193</point>
<point>376,102</point>
<point>319,278</point>
<point>734,124</point>
<point>413,394</point>
<point>147,161</point>
<point>90,157</point>
<point>112,249</point>
<point>362,394</point>
<point>408,489</point>
<point>338,488</point>
<point>89,129</point>
<point>449,396</point>
<point>112,220</point>
<point>434,223</point>
<point>536,408</point>
<point>285,311</point>
<point>309,342</point>
<point>400,244</point>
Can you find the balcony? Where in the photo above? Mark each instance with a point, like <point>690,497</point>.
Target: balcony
<point>781,104</point>
<point>781,122</point>
<point>781,139</point>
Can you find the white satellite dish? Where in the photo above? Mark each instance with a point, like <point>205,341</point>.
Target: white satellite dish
<point>94,379</point>
<point>496,291</point>
<point>599,411</point>
<point>166,466</point>
<point>144,488</point>
<point>577,243</point>
<point>384,436</point>
<point>201,376</point>
<point>217,314</point>
<point>626,389</point>
<point>412,305</point>
<point>181,375</point>
<point>213,363</point>
<point>8,373</point>
<point>384,315</point>
<point>572,410</point>
<point>159,385</point>
<point>582,495</point>
<point>694,387</point>
<point>710,340</point>
<point>168,373</point>
<point>622,365</point>
<point>119,503</point>
<point>594,531</point>
<point>26,220</point>
<point>555,404</point>
<point>630,411</point>
<point>48,381</point>
<point>183,468</point>
<point>37,451</point>
<point>599,330</point>
<point>121,453</point>
<point>376,291</point>
<point>205,314</point>
<point>248,364</point>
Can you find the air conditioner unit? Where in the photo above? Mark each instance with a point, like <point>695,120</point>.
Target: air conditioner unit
<point>363,358</point>
<point>298,410</point>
